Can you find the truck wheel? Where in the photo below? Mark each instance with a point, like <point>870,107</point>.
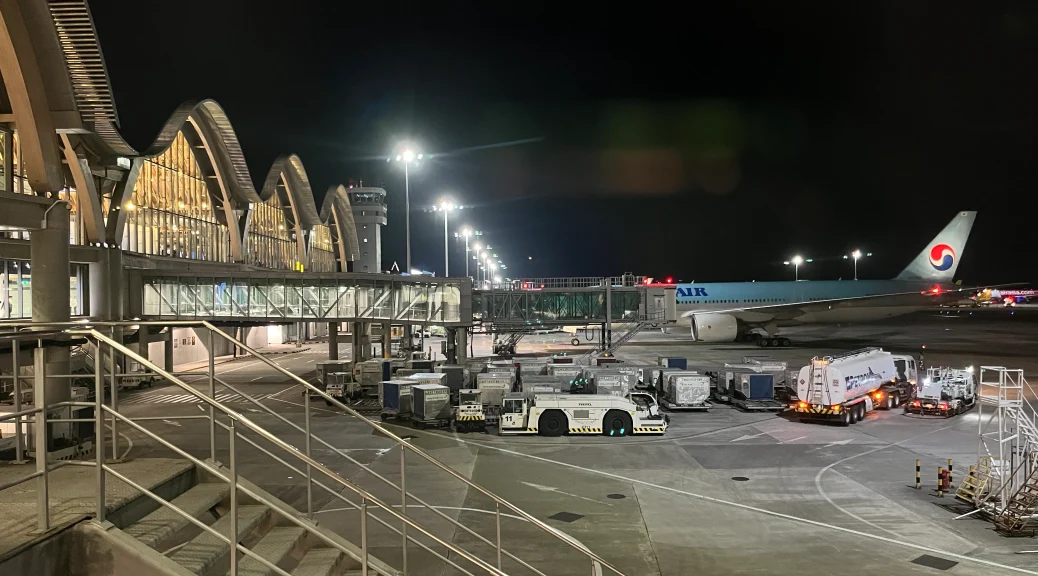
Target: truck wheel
<point>897,399</point>
<point>784,342</point>
<point>888,402</point>
<point>552,423</point>
<point>575,341</point>
<point>763,342</point>
<point>845,418</point>
<point>852,414</point>
<point>616,423</point>
<point>861,411</point>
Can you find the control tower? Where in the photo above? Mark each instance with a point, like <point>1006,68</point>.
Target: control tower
<point>369,213</point>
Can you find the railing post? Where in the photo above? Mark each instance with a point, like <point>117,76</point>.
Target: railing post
<point>364,536</point>
<point>40,400</point>
<point>403,507</point>
<point>99,434</point>
<point>232,459</point>
<point>497,508</point>
<point>212,394</point>
<point>19,441</point>
<point>115,399</point>
<point>309,469</point>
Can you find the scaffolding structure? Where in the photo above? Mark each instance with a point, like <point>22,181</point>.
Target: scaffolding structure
<point>1007,448</point>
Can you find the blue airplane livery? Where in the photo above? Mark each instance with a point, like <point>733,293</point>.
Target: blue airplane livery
<point>754,311</point>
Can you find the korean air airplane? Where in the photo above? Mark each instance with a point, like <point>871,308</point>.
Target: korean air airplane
<point>754,311</point>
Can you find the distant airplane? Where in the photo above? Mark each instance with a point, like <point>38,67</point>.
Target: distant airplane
<point>753,311</point>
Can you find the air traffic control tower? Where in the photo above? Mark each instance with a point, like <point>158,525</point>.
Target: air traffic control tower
<point>369,213</point>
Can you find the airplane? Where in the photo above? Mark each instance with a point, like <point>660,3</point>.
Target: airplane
<point>754,311</point>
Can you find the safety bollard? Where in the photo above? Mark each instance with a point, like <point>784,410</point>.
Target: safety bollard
<point>918,476</point>
<point>949,473</point>
<point>940,482</point>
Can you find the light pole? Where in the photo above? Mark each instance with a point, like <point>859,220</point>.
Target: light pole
<point>856,255</point>
<point>445,207</point>
<point>465,233</point>
<point>408,156</point>
<point>796,261</point>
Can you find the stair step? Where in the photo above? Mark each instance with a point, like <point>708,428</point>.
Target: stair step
<point>205,550</point>
<point>162,524</point>
<point>274,547</point>
<point>318,562</point>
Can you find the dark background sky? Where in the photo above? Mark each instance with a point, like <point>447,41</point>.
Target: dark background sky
<point>707,141</point>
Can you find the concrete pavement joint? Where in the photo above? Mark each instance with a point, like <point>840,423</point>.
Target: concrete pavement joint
<point>790,517</point>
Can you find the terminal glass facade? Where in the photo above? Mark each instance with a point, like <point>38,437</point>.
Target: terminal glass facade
<point>270,243</point>
<point>171,213</point>
<point>13,179</point>
<point>16,289</point>
<point>322,251</point>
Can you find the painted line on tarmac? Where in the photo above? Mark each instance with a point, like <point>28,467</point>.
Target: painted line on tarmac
<point>822,492</point>
<point>764,511</point>
<point>559,533</point>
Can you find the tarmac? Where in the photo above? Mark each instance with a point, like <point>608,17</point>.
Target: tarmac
<point>722,492</point>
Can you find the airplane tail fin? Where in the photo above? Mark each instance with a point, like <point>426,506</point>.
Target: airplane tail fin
<point>939,260</point>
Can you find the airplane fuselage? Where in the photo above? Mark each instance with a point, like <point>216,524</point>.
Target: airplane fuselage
<point>755,298</point>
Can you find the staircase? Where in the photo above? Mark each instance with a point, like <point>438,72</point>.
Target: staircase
<point>626,331</point>
<point>1022,511</point>
<point>975,484</point>
<point>270,544</point>
<point>221,523</point>
<point>1014,495</point>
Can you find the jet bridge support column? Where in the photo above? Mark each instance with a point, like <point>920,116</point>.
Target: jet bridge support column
<point>333,340</point>
<point>387,340</point>
<point>463,346</point>
<point>452,348</point>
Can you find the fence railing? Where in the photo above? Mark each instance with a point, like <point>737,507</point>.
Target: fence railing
<point>299,459</point>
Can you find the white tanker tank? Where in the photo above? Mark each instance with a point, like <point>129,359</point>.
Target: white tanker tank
<point>846,386</point>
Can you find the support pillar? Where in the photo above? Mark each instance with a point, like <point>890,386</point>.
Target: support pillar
<point>387,340</point>
<point>451,356</point>
<point>144,342</point>
<point>299,334</point>
<point>463,345</point>
<point>167,351</point>
<point>333,340</point>
<point>49,251</point>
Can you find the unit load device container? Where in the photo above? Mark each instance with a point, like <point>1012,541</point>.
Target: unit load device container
<point>395,398</point>
<point>431,405</point>
<point>673,362</point>
<point>684,390</point>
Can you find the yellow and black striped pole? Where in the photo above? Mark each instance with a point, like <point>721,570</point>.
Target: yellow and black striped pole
<point>949,473</point>
<point>940,482</point>
<point>918,476</point>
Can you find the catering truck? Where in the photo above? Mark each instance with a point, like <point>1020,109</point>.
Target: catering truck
<point>558,414</point>
<point>845,387</point>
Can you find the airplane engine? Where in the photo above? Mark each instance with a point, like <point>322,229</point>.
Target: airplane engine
<point>714,327</point>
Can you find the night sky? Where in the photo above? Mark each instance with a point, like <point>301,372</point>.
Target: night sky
<point>708,141</point>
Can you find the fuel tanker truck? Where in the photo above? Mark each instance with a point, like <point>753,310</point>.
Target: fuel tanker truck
<point>845,387</point>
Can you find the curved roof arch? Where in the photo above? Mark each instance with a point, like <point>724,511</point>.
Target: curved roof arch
<point>336,212</point>
<point>297,184</point>
<point>210,120</point>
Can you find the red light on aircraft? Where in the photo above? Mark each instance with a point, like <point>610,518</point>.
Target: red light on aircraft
<point>670,279</point>
<point>935,290</point>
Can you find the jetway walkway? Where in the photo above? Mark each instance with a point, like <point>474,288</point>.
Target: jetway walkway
<point>299,297</point>
<point>507,308</point>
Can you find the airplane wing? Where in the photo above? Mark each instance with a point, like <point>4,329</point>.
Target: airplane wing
<point>790,311</point>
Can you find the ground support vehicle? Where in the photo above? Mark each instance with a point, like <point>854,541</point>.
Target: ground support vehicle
<point>558,414</point>
<point>944,392</point>
<point>469,416</point>
<point>844,388</point>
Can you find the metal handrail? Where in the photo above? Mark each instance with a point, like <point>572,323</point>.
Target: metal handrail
<point>370,471</point>
<point>238,417</point>
<point>400,441</point>
<point>339,495</point>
